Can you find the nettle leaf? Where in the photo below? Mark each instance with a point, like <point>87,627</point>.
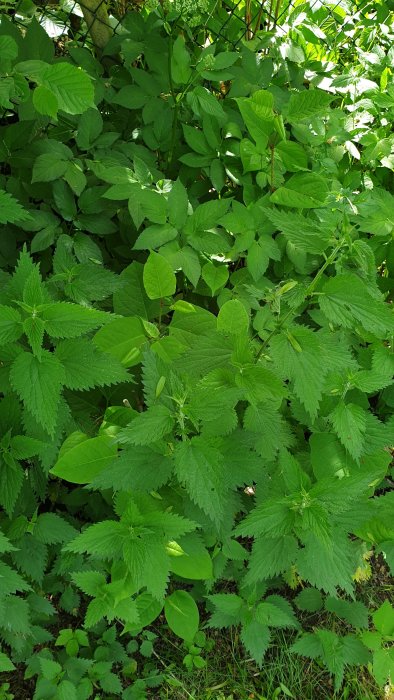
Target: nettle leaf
<point>200,467</point>
<point>147,427</point>
<point>10,209</point>
<point>346,300</point>
<point>297,356</point>
<point>256,638</point>
<point>38,382</point>
<point>306,234</point>
<point>271,557</point>
<point>306,104</point>
<point>85,366</point>
<point>103,539</point>
<point>10,325</point>
<point>350,423</point>
<point>64,320</point>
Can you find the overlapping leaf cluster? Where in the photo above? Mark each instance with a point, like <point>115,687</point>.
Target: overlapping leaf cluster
<point>196,339</point>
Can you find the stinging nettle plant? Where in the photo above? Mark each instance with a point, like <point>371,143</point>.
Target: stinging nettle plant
<point>196,346</point>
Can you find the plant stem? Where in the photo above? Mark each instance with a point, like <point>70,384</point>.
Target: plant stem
<point>309,291</point>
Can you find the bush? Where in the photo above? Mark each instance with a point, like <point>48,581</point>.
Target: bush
<point>196,349</point>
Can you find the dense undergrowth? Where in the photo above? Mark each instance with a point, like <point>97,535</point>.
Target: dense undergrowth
<point>196,351</point>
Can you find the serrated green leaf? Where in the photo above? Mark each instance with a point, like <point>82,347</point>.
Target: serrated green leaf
<point>38,382</point>
<point>147,427</point>
<point>349,423</point>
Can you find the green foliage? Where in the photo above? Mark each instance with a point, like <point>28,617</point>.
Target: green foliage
<point>196,329</point>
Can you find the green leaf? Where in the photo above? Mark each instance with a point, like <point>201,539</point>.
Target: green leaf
<point>90,582</point>
<point>149,426</point>
<point>193,560</point>
<point>10,324</point>
<point>85,366</point>
<point>346,300</point>
<point>50,528</point>
<point>177,205</point>
<point>271,557</point>
<point>104,539</point>
<point>297,356</point>
<point>233,318</point>
<point>48,167</point>
<point>383,665</point>
<point>309,599</point>
<point>353,612</point>
<point>82,463</point>
<point>38,383</point>
<point>305,234</point>
<point>383,619</point>
<point>302,191</point>
<point>45,101</point>
<point>122,339</point>
<point>10,209</point>
<point>199,466</point>
<point>159,278</point>
<point>307,104</point>
<point>349,423</point>
<point>182,615</point>
<point>71,86</point>
<point>50,669</point>
<point>5,663</point>
<point>65,320</point>
<point>256,638</point>
<point>215,276</point>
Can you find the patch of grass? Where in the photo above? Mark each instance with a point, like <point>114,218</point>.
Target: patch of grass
<point>230,675</point>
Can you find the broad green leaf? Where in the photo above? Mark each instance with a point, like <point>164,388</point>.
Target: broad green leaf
<point>177,203</point>
<point>233,318</point>
<point>159,278</point>
<point>302,191</point>
<point>306,104</point>
<point>383,619</point>
<point>82,463</point>
<point>297,356</point>
<point>85,366</point>
<point>71,86</point>
<point>353,612</point>
<point>122,338</point>
<point>182,615</point>
<point>45,101</point>
<point>193,561</point>
<point>256,638</point>
<point>215,276</point>
<point>48,167</point>
<point>293,156</point>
